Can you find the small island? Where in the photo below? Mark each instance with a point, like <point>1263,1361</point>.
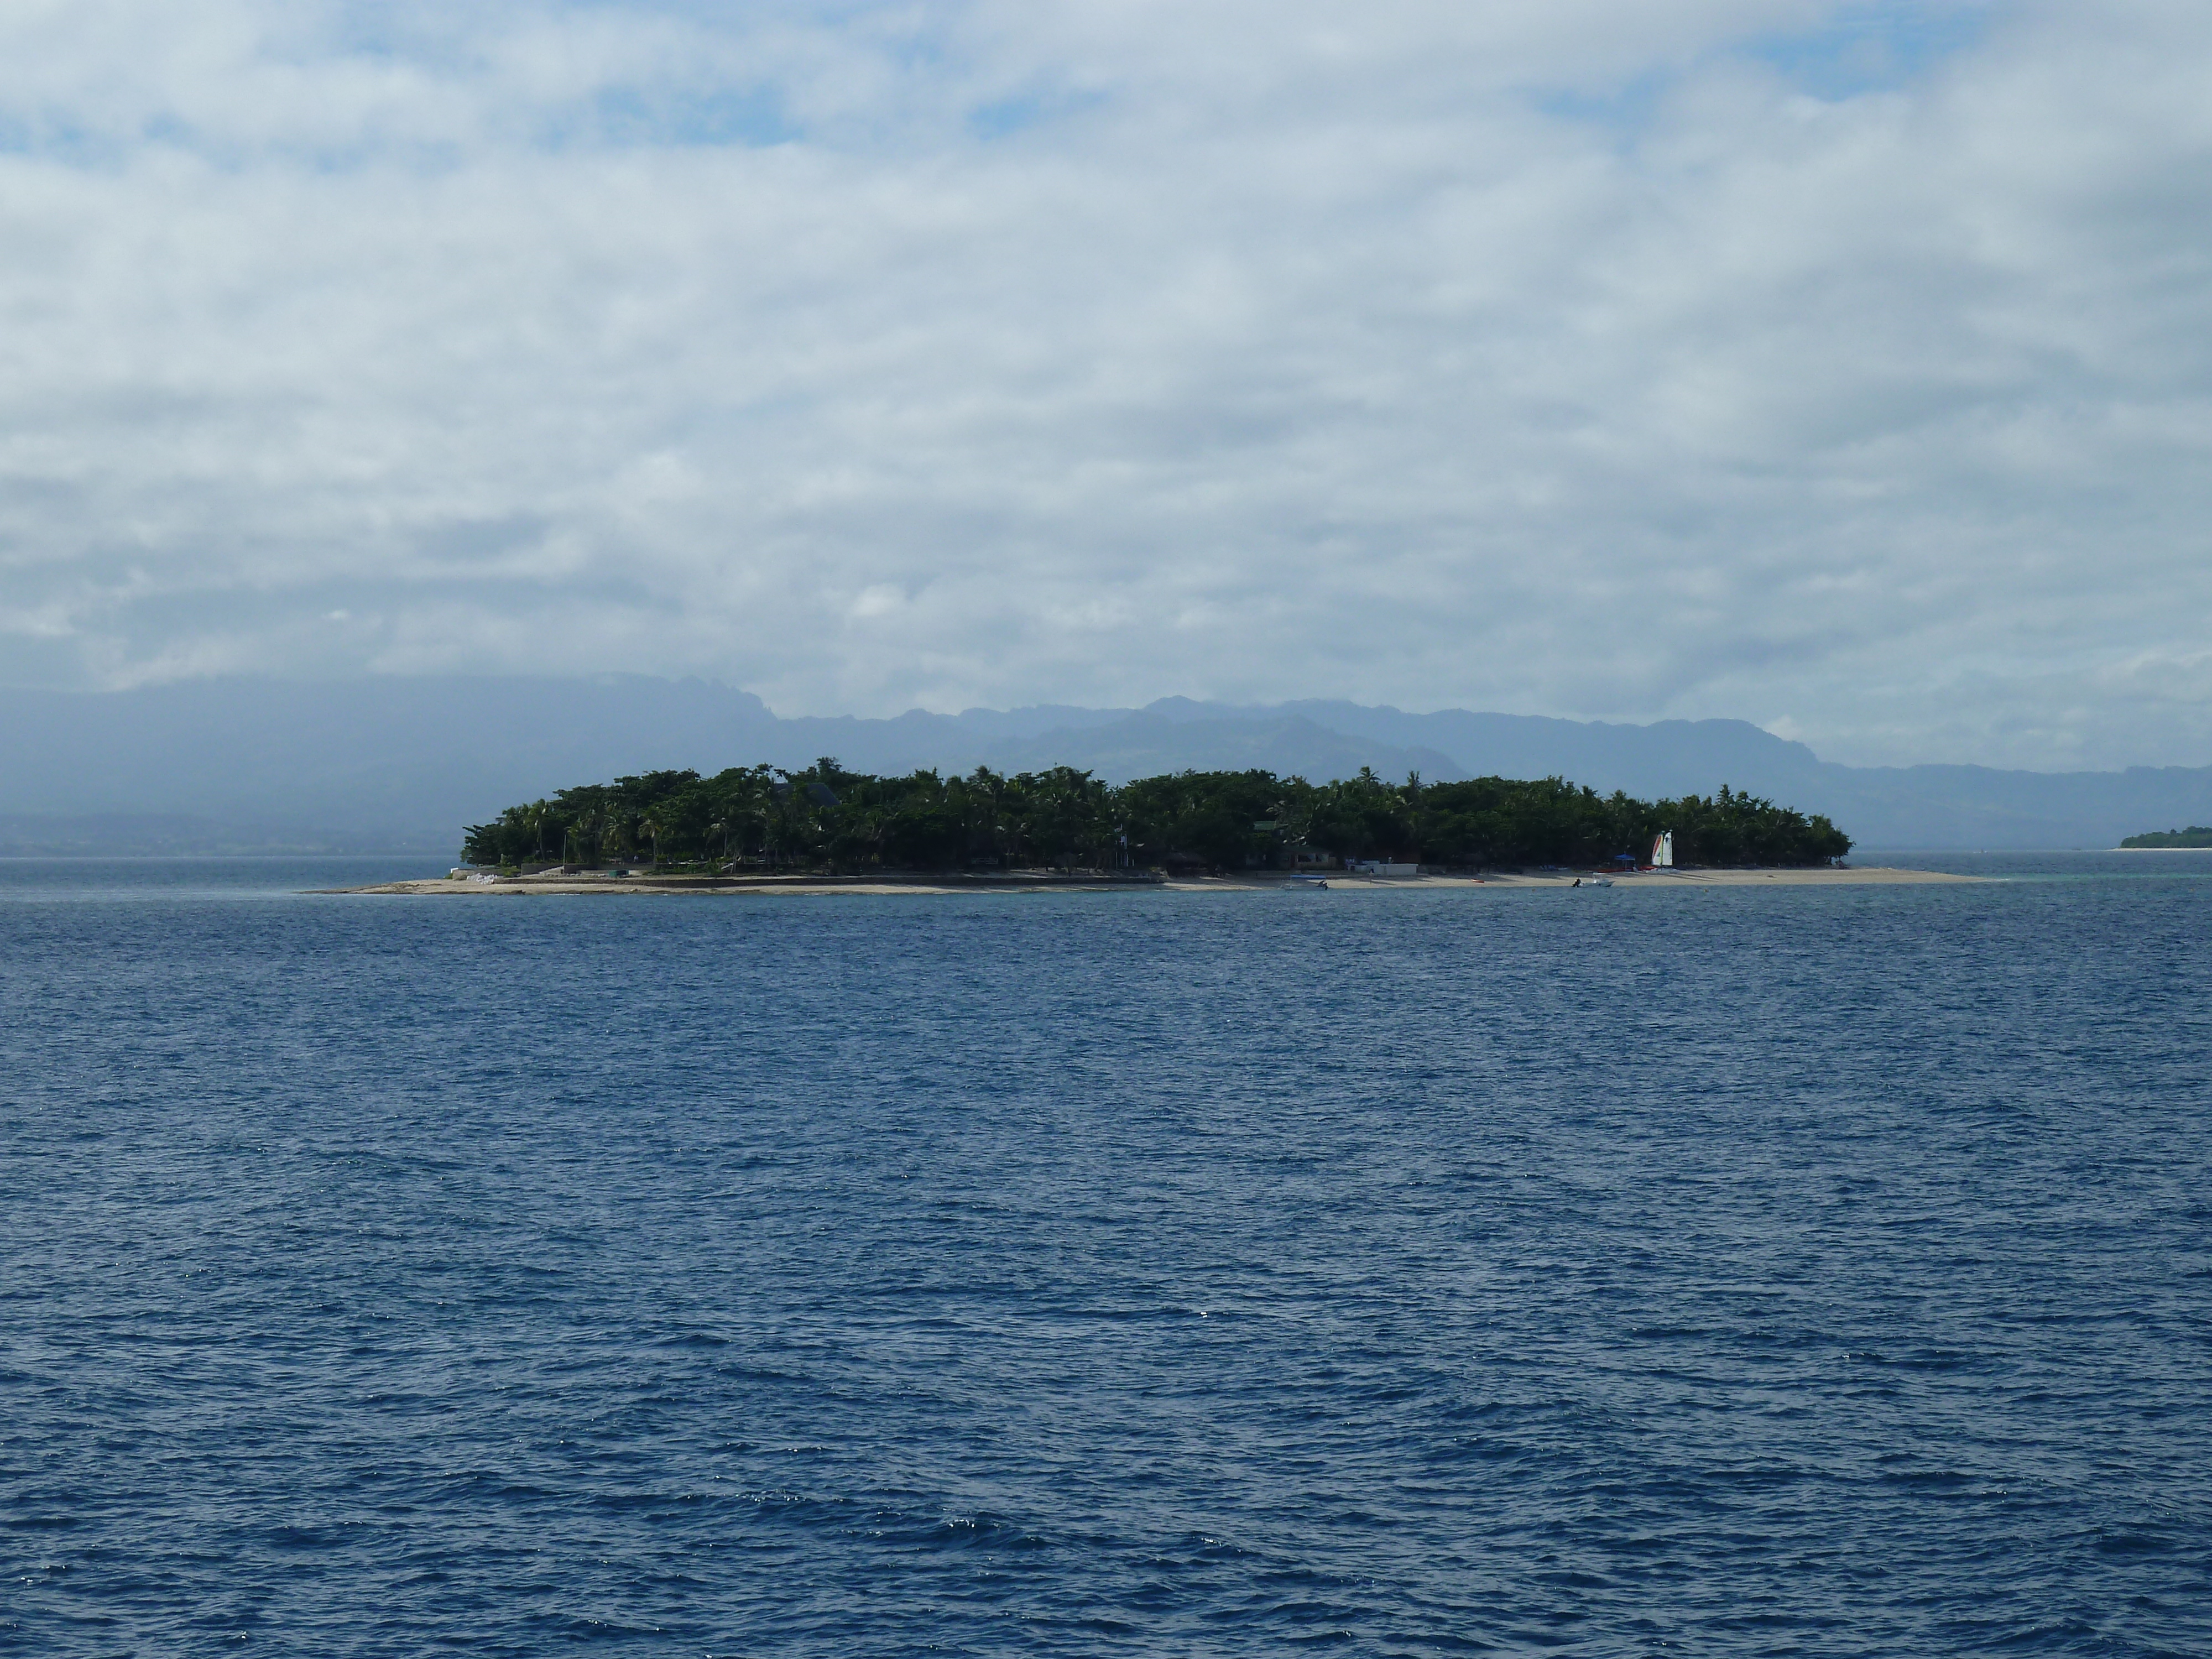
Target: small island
<point>2197,837</point>
<point>827,829</point>
<point>825,819</point>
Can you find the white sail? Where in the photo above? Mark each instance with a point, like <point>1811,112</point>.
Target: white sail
<point>1663,851</point>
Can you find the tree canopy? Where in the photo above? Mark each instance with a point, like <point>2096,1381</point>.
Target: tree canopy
<point>826,818</point>
<point>2194,837</point>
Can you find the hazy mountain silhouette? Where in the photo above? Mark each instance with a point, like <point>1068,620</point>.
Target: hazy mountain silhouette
<point>402,763</point>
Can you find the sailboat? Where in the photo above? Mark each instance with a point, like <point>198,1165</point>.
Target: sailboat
<point>1663,851</point>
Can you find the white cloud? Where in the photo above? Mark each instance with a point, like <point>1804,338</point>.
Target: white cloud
<point>1838,365</point>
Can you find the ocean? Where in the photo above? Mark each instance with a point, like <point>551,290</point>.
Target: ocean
<point>1818,1271</point>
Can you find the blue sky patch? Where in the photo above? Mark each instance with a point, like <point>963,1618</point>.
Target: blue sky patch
<point>1871,48</point>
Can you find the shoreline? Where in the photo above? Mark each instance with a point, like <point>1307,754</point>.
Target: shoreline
<point>938,886</point>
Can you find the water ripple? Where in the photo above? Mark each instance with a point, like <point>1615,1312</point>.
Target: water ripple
<point>1819,1271</point>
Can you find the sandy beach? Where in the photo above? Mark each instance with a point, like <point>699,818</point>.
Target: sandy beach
<point>1869,876</point>
<point>1043,882</point>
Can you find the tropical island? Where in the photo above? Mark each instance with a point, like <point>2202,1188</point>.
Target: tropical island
<point>2196,836</point>
<point>769,821</point>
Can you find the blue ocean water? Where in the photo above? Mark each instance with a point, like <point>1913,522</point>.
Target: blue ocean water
<point>1819,1271</point>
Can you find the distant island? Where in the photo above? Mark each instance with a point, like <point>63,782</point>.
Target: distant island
<point>826,818</point>
<point>2195,836</point>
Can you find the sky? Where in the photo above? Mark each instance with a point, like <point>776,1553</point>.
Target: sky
<point>1842,368</point>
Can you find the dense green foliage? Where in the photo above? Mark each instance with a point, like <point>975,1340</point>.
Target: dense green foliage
<point>2195,836</point>
<point>824,817</point>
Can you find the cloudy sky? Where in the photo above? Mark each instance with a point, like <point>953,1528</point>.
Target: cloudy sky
<point>1847,369</point>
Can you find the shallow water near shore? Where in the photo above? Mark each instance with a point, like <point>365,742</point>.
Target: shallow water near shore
<point>1742,1271</point>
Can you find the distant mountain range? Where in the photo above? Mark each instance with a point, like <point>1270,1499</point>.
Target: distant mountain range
<point>400,765</point>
